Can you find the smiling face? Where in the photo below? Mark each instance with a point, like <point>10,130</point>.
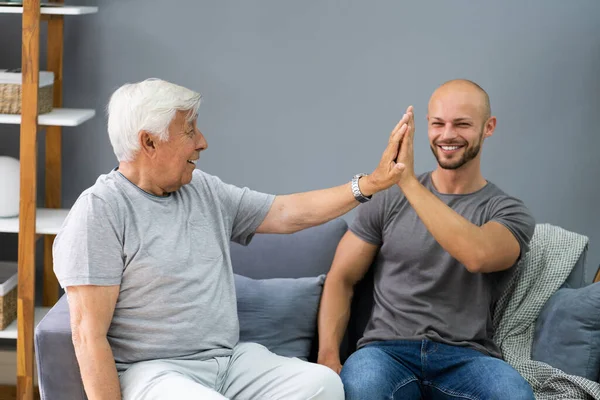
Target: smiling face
<point>174,160</point>
<point>458,122</point>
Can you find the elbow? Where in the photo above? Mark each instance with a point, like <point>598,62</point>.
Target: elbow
<point>484,262</point>
<point>336,283</point>
<point>291,222</point>
<point>290,227</point>
<point>476,263</point>
<point>474,268</point>
<point>78,337</point>
<point>83,337</point>
<point>285,220</point>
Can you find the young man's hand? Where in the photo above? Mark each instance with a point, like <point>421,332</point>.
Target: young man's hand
<point>406,155</point>
<point>332,362</point>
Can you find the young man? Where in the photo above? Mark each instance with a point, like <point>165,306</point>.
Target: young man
<point>447,241</point>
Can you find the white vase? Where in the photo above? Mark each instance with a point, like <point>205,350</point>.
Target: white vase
<point>9,187</point>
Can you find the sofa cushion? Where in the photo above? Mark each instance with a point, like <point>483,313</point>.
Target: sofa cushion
<point>567,333</point>
<point>279,313</point>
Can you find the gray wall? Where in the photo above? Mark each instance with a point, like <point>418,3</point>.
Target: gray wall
<point>302,95</point>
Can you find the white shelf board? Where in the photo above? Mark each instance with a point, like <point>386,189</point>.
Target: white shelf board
<point>10,332</point>
<point>56,117</point>
<point>52,10</point>
<point>48,221</point>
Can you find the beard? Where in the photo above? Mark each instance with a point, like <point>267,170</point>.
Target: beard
<point>470,153</point>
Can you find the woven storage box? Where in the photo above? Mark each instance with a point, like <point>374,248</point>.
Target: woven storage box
<point>10,91</point>
<point>8,293</point>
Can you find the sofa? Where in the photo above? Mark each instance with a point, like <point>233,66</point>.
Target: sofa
<point>307,254</point>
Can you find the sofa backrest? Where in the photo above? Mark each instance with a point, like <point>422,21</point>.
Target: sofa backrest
<point>310,253</point>
<point>582,274</point>
<point>306,253</point>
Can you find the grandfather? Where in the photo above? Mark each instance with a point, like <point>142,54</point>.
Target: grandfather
<point>144,257</point>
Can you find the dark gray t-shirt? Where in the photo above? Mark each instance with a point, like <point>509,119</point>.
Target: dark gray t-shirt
<point>421,291</point>
<point>171,258</point>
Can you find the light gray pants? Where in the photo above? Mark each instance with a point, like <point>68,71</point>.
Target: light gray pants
<point>251,373</point>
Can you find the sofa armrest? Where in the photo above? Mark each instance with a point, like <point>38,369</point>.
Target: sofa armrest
<point>58,370</point>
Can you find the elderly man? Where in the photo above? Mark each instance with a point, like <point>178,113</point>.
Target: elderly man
<point>447,241</point>
<point>144,257</point>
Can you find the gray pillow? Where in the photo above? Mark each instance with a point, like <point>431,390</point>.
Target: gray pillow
<point>567,333</point>
<point>279,313</point>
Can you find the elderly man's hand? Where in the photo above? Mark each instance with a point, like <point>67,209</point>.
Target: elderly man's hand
<point>393,167</point>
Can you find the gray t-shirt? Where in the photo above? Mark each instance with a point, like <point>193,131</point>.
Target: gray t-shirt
<point>171,257</point>
<point>421,291</point>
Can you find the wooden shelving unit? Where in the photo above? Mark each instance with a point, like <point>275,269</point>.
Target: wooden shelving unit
<point>34,221</point>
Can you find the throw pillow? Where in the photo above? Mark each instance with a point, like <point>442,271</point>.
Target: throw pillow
<point>279,313</point>
<point>567,334</point>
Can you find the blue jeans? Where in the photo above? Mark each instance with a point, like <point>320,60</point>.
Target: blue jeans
<point>409,370</point>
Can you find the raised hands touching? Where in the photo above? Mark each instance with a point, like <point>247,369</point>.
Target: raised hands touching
<point>396,164</point>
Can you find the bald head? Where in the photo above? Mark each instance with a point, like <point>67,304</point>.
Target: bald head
<point>459,120</point>
<point>464,91</point>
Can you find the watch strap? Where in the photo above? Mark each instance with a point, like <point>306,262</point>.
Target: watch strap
<point>358,195</point>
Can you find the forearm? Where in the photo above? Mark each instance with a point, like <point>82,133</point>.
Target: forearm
<point>294,212</point>
<point>98,369</point>
<point>334,314</point>
<point>464,240</point>
<point>303,210</point>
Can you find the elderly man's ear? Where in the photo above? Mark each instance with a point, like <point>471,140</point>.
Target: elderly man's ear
<point>148,144</point>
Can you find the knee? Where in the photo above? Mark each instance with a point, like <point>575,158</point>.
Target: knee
<point>519,390</point>
<point>512,387</point>
<point>362,377</point>
<point>364,387</point>
<point>143,377</point>
<point>323,384</point>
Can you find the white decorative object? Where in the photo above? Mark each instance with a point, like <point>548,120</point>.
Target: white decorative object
<point>9,187</point>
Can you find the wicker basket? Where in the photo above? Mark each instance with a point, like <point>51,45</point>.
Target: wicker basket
<point>10,92</point>
<point>8,293</point>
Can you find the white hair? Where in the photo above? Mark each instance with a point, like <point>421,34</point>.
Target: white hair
<point>149,105</point>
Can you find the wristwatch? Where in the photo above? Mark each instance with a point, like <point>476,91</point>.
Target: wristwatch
<point>356,190</point>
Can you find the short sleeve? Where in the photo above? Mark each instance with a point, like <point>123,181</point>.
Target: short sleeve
<point>88,250</point>
<point>514,215</point>
<point>369,220</point>
<point>248,209</point>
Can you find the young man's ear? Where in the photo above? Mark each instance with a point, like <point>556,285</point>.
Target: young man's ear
<point>148,143</point>
<point>490,127</point>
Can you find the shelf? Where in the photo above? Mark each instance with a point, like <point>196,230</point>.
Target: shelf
<point>52,10</point>
<point>48,221</point>
<point>56,117</point>
<point>11,331</point>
